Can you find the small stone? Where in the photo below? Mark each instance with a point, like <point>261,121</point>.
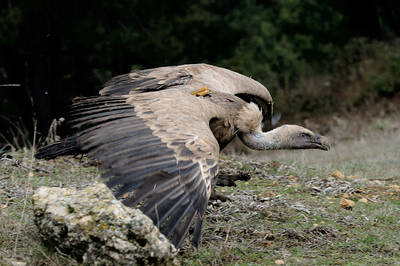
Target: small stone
<point>279,262</point>
<point>377,182</point>
<point>363,200</point>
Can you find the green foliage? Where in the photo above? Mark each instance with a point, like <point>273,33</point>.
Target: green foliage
<point>10,19</point>
<point>278,40</point>
<point>387,80</point>
<point>365,70</point>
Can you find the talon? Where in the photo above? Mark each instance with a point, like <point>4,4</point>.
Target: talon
<point>217,196</point>
<point>202,92</point>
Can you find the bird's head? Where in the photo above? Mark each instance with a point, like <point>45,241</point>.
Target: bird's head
<point>297,137</point>
<point>248,124</point>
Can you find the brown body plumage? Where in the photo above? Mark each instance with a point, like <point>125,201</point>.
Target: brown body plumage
<point>159,140</point>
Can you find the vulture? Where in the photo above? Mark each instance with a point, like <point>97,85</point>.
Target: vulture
<point>158,132</point>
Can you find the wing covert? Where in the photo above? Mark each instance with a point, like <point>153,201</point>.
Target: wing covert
<point>159,161</point>
<point>196,76</point>
<point>146,80</point>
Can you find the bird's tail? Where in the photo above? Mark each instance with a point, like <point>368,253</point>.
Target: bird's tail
<point>65,146</point>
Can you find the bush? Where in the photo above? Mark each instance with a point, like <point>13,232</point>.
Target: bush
<point>356,74</point>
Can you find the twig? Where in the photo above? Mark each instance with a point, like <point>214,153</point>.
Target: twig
<point>10,85</point>
<point>227,234</point>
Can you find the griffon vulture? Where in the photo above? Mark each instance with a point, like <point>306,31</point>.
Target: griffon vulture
<point>158,133</point>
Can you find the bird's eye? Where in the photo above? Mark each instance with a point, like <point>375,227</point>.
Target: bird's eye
<point>304,135</point>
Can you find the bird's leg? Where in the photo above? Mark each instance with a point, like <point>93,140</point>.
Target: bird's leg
<point>218,196</point>
<point>228,180</point>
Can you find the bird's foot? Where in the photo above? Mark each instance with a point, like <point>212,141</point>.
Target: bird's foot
<point>228,180</point>
<point>217,196</point>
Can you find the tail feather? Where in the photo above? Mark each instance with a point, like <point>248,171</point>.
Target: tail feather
<point>65,146</point>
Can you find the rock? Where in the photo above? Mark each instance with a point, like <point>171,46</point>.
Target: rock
<point>94,227</point>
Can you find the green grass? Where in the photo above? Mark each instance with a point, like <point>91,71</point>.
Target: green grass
<point>302,226</point>
<point>289,210</point>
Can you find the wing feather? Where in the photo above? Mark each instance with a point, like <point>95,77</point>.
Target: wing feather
<point>161,163</point>
<point>196,75</point>
<point>146,81</point>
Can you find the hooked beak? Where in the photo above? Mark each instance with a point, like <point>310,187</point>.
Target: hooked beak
<point>320,142</point>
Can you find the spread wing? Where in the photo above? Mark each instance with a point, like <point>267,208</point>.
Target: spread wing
<point>195,76</point>
<point>157,151</point>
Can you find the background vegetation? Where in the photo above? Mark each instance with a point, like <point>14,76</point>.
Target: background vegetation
<point>314,56</point>
<point>337,58</point>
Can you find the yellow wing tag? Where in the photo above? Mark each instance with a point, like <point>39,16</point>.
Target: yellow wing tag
<point>202,92</point>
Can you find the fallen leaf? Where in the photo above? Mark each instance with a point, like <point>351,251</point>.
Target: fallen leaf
<point>363,200</point>
<point>346,204</point>
<point>267,193</point>
<point>269,243</point>
<point>279,262</point>
<point>337,174</point>
<point>395,188</point>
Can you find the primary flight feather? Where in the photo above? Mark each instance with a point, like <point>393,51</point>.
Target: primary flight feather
<point>158,133</point>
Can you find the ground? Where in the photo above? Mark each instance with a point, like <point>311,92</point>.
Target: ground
<point>289,212</point>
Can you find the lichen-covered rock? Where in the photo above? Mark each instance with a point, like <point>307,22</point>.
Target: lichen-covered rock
<point>91,225</point>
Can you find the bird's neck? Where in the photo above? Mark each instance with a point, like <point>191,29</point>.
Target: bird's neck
<point>257,140</point>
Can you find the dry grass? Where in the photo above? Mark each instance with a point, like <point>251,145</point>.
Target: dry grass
<point>20,175</point>
<point>374,156</point>
<point>288,211</point>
